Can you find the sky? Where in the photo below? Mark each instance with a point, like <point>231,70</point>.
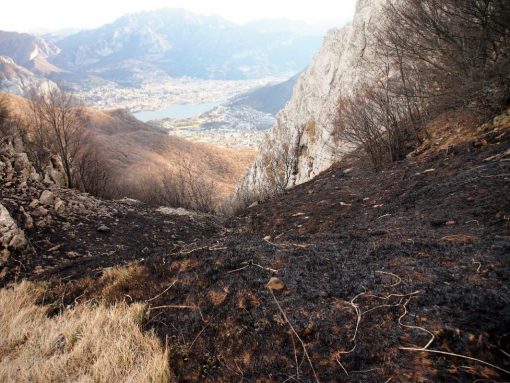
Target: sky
<point>54,15</point>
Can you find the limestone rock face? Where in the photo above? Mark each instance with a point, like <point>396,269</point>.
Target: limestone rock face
<point>306,123</point>
<point>16,165</point>
<point>11,236</point>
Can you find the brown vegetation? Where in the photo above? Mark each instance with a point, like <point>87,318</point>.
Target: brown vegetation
<point>392,276</point>
<point>53,126</point>
<point>112,155</point>
<point>85,343</point>
<point>429,56</point>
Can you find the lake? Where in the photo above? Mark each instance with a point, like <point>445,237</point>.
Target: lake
<point>177,111</point>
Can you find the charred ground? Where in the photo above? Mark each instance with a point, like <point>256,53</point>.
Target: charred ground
<point>370,263</point>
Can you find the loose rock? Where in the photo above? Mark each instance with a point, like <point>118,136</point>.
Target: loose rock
<point>47,198</point>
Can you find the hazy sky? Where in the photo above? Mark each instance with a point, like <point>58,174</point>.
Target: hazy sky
<point>30,15</point>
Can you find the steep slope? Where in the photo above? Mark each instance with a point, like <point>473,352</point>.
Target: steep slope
<point>307,121</point>
<point>29,51</point>
<point>268,99</point>
<point>134,150</point>
<point>370,267</point>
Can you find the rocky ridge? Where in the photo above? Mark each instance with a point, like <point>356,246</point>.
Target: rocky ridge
<point>306,123</point>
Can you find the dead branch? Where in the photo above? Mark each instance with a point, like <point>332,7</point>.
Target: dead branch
<point>193,250</point>
<point>295,355</point>
<point>358,314</point>
<point>395,295</point>
<point>173,307</point>
<point>479,265</point>
<point>251,263</point>
<point>343,368</point>
<point>432,337</point>
<point>198,335</point>
<point>393,275</point>
<point>160,294</point>
<point>296,334</point>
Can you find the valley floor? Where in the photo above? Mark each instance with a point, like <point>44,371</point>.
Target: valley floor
<point>396,276</point>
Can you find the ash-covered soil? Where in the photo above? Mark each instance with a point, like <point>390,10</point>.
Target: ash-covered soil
<point>368,264</point>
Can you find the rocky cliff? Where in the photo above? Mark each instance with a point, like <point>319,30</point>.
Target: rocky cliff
<point>306,123</point>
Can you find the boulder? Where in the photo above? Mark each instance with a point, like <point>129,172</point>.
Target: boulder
<point>40,212</point>
<point>22,164</point>
<point>11,235</point>
<point>59,205</point>
<point>47,198</point>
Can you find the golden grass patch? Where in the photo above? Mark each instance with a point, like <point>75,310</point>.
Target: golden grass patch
<point>84,344</point>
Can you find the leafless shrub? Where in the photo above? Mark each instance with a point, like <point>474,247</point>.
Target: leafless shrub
<point>187,188</point>
<point>93,172</point>
<point>429,56</point>
<point>380,120</point>
<point>53,126</point>
<point>459,48</point>
<point>179,186</point>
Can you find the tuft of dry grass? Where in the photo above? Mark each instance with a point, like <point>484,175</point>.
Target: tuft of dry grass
<point>84,344</point>
<point>116,281</point>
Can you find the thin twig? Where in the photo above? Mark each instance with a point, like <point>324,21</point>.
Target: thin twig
<point>160,294</point>
<point>341,365</point>
<point>251,263</point>
<point>393,275</point>
<point>193,250</point>
<point>198,335</point>
<point>296,334</point>
<point>358,314</point>
<point>239,269</point>
<point>295,355</point>
<point>173,307</point>
<point>455,355</point>
<point>394,295</point>
<point>432,337</point>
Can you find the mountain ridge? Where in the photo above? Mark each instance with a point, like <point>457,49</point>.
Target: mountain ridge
<point>306,124</point>
<point>171,42</point>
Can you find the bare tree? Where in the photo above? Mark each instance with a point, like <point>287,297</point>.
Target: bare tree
<point>429,56</point>
<point>191,189</point>
<point>460,49</point>
<point>56,126</point>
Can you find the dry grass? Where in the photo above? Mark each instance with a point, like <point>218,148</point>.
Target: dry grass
<point>116,280</point>
<point>84,344</point>
<point>136,150</point>
<point>132,150</point>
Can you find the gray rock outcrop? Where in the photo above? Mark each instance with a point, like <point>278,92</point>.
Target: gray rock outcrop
<point>12,237</point>
<point>307,121</point>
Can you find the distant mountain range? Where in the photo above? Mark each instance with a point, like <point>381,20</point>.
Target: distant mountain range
<point>171,42</point>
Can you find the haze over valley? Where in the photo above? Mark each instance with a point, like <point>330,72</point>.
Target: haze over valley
<point>174,63</point>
